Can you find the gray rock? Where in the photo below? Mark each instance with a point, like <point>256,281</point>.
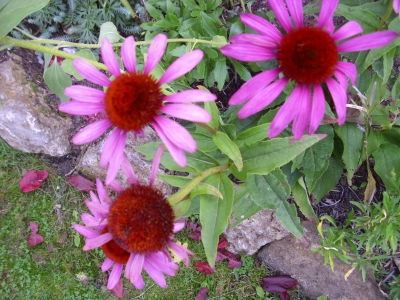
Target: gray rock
<point>26,121</point>
<point>255,232</point>
<point>89,164</point>
<point>291,257</point>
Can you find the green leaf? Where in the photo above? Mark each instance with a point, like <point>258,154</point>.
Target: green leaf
<point>215,214</point>
<point>109,30</point>
<point>387,166</point>
<point>155,13</point>
<point>267,191</point>
<point>212,108</point>
<point>388,64</point>
<point>241,70</point>
<point>14,11</point>
<point>287,214</point>
<point>69,68</point>
<point>368,20</point>
<point>181,208</point>
<point>177,181</point>
<point>204,142</point>
<point>253,134</point>
<point>377,53</point>
<point>208,25</point>
<point>204,188</point>
<point>263,157</point>
<point>57,80</point>
<point>303,202</point>
<point>220,73</point>
<point>243,206</point>
<point>228,147</point>
<point>329,179</point>
<point>219,39</point>
<point>352,139</point>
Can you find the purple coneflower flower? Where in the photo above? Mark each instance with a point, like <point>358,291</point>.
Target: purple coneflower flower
<point>134,229</point>
<point>134,99</point>
<point>396,6</point>
<point>307,56</point>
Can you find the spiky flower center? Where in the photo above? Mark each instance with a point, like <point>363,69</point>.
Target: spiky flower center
<point>141,220</point>
<point>308,55</point>
<point>115,252</point>
<point>133,100</point>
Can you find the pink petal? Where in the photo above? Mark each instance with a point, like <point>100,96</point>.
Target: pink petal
<point>134,267</point>
<point>97,241</point>
<point>302,118</point>
<point>128,54</point>
<point>255,39</point>
<point>128,170</point>
<point>155,274</point>
<point>318,109</point>
<point>78,108</point>
<point>396,6</point>
<point>286,113</point>
<point>115,186</point>
<point>325,18</point>
<point>107,264</point>
<point>89,72</point>
<point>99,207</point>
<point>253,86</point>
<point>109,147</point>
<point>87,232</point>
<point>109,58</point>
<point>177,154</point>
<point>281,14</point>
<point>263,98</point>
<point>118,156</point>
<point>349,29</point>
<point>156,164</point>
<point>181,66</point>
<point>156,51</point>
<point>342,79</point>
<point>190,96</point>
<point>248,52</point>
<point>84,94</point>
<point>369,41</point>
<point>101,191</point>
<point>139,283</point>
<point>178,226</point>
<point>91,132</point>
<point>261,25</point>
<point>296,11</point>
<point>177,134</point>
<point>349,69</point>
<point>339,99</point>
<point>115,275</point>
<point>189,112</point>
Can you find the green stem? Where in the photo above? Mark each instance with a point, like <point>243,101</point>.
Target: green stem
<point>386,16</point>
<point>209,128</point>
<point>128,6</point>
<point>243,7</point>
<point>182,193</point>
<point>29,45</point>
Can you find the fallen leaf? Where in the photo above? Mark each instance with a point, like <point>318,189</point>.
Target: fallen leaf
<point>32,180</point>
<point>192,225</point>
<point>234,260</point>
<point>81,183</point>
<point>285,296</point>
<point>195,235</point>
<point>118,289</point>
<point>278,284</point>
<point>202,295</point>
<point>34,238</point>
<point>223,243</point>
<point>204,267</point>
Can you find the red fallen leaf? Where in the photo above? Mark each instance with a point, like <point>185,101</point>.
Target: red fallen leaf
<point>202,295</point>
<point>117,290</point>
<point>285,296</point>
<point>196,235</point>
<point>32,180</point>
<point>204,267</point>
<point>34,238</point>
<point>223,243</point>
<point>191,225</point>
<point>278,284</point>
<point>234,260</point>
<point>81,183</point>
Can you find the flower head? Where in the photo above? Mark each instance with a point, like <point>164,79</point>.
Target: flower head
<point>306,55</point>
<point>134,230</point>
<point>134,99</point>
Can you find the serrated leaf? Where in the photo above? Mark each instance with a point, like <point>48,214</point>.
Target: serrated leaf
<point>225,144</point>
<point>14,11</point>
<point>352,139</point>
<point>215,214</point>
<point>57,80</point>
<point>267,191</point>
<point>263,157</point>
<point>109,30</point>
<point>68,67</point>
<point>300,196</point>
